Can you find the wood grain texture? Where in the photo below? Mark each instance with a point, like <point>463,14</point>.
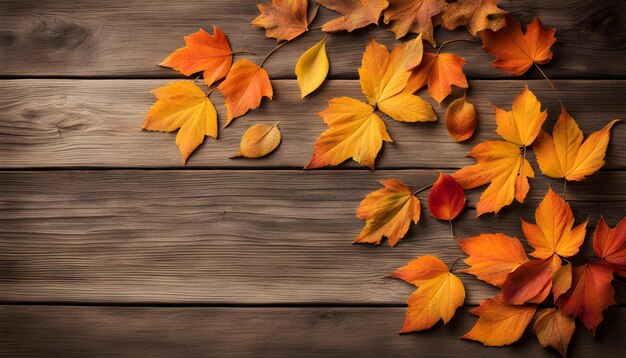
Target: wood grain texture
<point>234,237</point>
<point>264,332</point>
<point>127,38</point>
<point>95,123</point>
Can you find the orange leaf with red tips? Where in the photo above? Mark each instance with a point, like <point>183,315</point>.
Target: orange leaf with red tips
<point>209,54</point>
<point>591,293</point>
<point>388,212</point>
<point>440,72</point>
<point>554,329</point>
<point>492,256</point>
<point>500,324</point>
<point>446,199</point>
<point>565,155</point>
<point>356,13</point>
<point>244,87</point>
<point>554,232</point>
<point>437,297</point>
<point>413,16</point>
<point>515,51</point>
<point>461,120</point>
<point>283,19</point>
<point>476,15</point>
<point>531,282</point>
<point>610,245</point>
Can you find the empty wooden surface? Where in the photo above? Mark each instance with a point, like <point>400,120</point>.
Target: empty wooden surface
<point>109,246</point>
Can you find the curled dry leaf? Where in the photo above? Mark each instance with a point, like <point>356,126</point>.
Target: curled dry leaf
<point>500,324</point>
<point>476,15</point>
<point>356,13</point>
<point>440,72</point>
<point>258,141</point>
<point>461,119</point>
<point>554,329</point>
<point>413,16</point>
<point>565,155</point>
<point>312,68</point>
<point>209,54</point>
<point>437,297</point>
<point>446,199</point>
<point>244,87</point>
<point>183,105</point>
<point>515,51</point>
<point>283,19</point>
<point>388,212</point>
<point>610,245</point>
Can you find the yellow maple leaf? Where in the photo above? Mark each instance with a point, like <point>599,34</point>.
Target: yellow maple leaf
<point>183,105</point>
<point>564,154</point>
<point>523,123</point>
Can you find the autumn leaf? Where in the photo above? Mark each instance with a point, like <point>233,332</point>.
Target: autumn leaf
<point>610,245</point>
<point>591,293</point>
<point>258,141</point>
<point>183,105</point>
<point>500,324</point>
<point>554,329</point>
<point>209,54</point>
<point>283,19</point>
<point>413,16</point>
<point>476,15</point>
<point>503,166</point>
<point>437,297</point>
<point>565,155</point>
<point>554,231</point>
<point>312,68</point>
<point>515,51</point>
<point>461,119</point>
<point>492,256</point>
<point>440,72</point>
<point>523,123</point>
<point>531,282</point>
<point>356,13</point>
<point>244,87</point>
<point>388,212</point>
<point>446,199</point>
<point>561,281</point>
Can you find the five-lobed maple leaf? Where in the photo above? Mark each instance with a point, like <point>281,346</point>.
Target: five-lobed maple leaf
<point>283,19</point>
<point>437,297</point>
<point>356,13</point>
<point>209,54</point>
<point>413,16</point>
<point>388,212</point>
<point>440,72</point>
<point>476,15</point>
<point>515,51</point>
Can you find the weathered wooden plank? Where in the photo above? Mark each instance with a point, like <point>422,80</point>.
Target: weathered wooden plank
<point>95,123</point>
<point>229,237</point>
<point>29,331</point>
<point>128,38</point>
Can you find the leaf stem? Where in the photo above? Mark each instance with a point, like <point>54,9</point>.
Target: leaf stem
<point>454,262</point>
<point>451,41</point>
<point>314,15</point>
<point>558,95</point>
<point>452,229</point>
<point>211,91</point>
<point>273,50</point>
<point>236,52</point>
<point>422,189</point>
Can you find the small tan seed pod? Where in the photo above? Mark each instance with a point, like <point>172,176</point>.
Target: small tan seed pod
<point>461,119</point>
<point>258,141</point>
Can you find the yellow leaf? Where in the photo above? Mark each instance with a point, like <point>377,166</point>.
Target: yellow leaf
<point>258,141</point>
<point>312,68</point>
<point>183,105</point>
<point>565,155</point>
<point>523,123</point>
<point>388,212</point>
<point>355,131</point>
<point>406,107</point>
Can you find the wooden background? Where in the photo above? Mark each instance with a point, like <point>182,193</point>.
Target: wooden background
<point>110,246</point>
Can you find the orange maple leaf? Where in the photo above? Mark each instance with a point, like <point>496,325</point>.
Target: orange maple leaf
<point>591,293</point>
<point>437,297</point>
<point>492,256</point>
<point>283,19</point>
<point>500,323</point>
<point>209,54</point>
<point>515,51</point>
<point>356,13</point>
<point>446,199</point>
<point>565,155</point>
<point>388,212</point>
<point>610,245</point>
<point>183,105</point>
<point>476,15</point>
<point>244,87</point>
<point>554,329</point>
<point>440,72</point>
<point>413,16</point>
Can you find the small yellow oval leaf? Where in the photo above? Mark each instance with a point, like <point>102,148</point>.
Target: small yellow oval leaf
<point>258,141</point>
<point>312,68</point>
<point>461,119</point>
